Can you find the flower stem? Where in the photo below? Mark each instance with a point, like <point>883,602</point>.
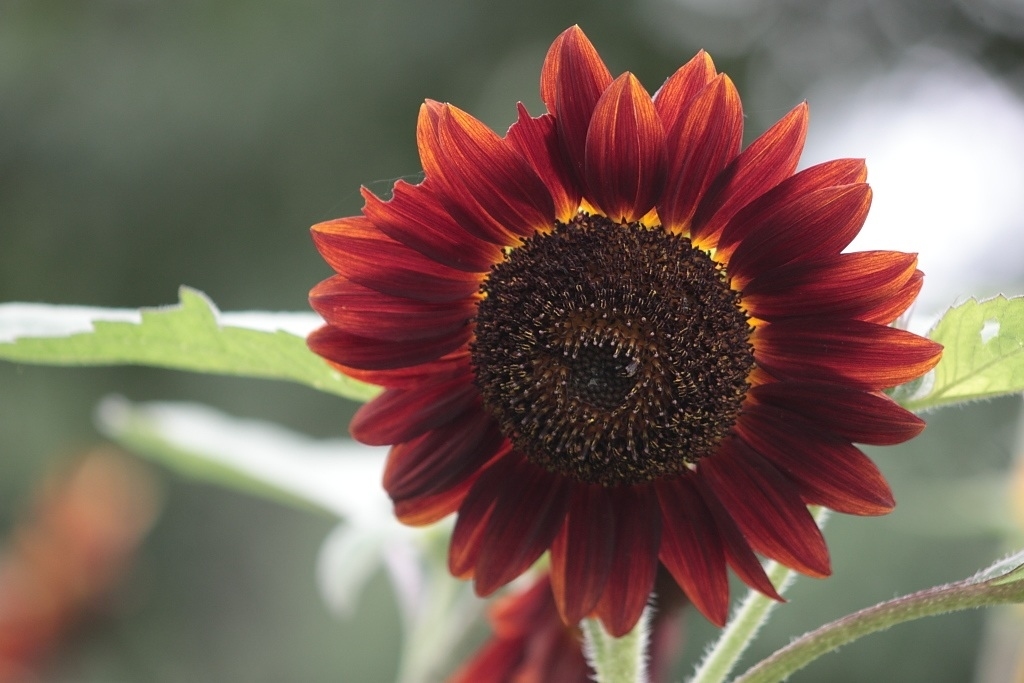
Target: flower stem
<point>961,595</point>
<point>746,621</point>
<point>617,660</point>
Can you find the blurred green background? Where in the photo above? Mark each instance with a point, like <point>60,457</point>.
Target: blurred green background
<point>147,144</point>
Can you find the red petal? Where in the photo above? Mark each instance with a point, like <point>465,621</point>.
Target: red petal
<point>853,352</point>
<point>451,365</point>
<point>691,549</point>
<point>536,139</point>
<point>737,550</point>
<point>812,226</point>
<point>581,555</point>
<point>766,507</point>
<point>764,164</point>
<point>826,469</point>
<point>333,238</point>
<point>676,92</point>
<point>398,415</point>
<point>855,285</point>
<point>635,561</point>
<point>424,510</point>
<point>528,512</point>
<point>362,353</point>
<point>415,218</point>
<point>828,174</point>
<point>443,458</point>
<point>355,248</point>
<point>892,308</point>
<point>625,152</point>
<point>856,415</point>
<point>705,137</point>
<point>487,185</point>
<point>571,81</point>
<point>365,313</point>
<point>474,513</point>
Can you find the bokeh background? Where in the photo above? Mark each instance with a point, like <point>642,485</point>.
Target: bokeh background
<point>147,144</point>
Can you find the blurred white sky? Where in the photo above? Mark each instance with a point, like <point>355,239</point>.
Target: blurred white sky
<point>944,144</point>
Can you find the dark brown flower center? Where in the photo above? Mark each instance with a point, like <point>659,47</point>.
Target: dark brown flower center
<point>611,353</point>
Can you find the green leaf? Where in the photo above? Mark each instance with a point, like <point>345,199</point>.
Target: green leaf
<point>983,356</point>
<point>192,335</point>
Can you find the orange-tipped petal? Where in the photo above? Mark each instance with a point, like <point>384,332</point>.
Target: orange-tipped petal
<point>414,217</point>
<point>536,139</point>
<point>862,285</point>
<point>813,226</point>
<point>703,139</point>
<point>888,310</point>
<point>571,81</point>
<point>764,164</point>
<point>355,248</point>
<point>853,352</point>
<point>625,153</point>
<point>825,175</point>
<point>676,92</point>
<point>490,181</point>
<point>426,136</point>
<point>486,186</point>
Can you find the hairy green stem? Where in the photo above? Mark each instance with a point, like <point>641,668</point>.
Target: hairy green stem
<point>952,597</point>
<point>617,660</point>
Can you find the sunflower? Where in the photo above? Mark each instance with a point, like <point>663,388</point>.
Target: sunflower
<point>615,336</point>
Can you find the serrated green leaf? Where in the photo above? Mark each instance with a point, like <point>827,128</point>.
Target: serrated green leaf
<point>188,336</point>
<point>983,356</point>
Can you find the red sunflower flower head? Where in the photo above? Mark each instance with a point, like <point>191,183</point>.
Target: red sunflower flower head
<point>531,643</point>
<point>615,335</point>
